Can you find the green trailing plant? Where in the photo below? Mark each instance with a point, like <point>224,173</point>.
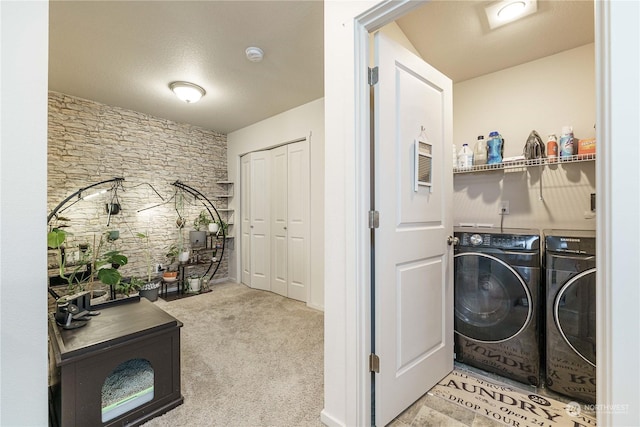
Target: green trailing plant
<point>144,237</point>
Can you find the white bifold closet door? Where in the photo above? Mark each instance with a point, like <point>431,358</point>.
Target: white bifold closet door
<point>285,192</point>
<point>255,214</point>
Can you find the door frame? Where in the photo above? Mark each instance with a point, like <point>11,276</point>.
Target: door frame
<point>365,24</point>
<point>387,12</point>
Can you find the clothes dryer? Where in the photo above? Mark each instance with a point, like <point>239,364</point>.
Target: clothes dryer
<point>570,272</point>
<point>497,301</point>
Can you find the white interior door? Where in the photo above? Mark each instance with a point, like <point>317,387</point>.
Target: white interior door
<point>260,208</point>
<point>279,260</point>
<point>245,218</point>
<point>413,319</point>
<point>298,220</point>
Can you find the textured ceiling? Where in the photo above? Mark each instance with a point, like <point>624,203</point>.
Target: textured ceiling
<point>454,36</point>
<point>125,53</point>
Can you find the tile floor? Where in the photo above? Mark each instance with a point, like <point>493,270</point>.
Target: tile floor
<point>435,411</point>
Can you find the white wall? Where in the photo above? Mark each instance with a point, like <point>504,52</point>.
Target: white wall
<point>543,95</point>
<point>23,197</point>
<point>305,121</point>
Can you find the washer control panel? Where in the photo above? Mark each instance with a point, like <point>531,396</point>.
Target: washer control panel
<point>498,241</point>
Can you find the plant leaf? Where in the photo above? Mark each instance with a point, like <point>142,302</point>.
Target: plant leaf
<point>109,276</point>
<point>55,238</point>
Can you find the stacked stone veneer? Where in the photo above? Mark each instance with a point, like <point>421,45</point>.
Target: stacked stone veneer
<point>89,142</point>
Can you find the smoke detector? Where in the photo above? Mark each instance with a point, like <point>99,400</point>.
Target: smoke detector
<point>254,54</point>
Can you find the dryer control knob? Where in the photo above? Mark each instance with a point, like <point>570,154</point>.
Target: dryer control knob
<point>475,239</point>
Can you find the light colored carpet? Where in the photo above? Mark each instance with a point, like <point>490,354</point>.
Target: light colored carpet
<point>249,358</point>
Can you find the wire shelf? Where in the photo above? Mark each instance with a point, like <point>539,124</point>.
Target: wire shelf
<point>526,163</point>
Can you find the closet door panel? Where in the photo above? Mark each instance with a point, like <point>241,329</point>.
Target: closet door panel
<point>260,220</point>
<point>298,220</point>
<point>279,220</point>
<point>245,218</point>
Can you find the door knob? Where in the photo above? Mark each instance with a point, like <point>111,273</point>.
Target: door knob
<point>285,228</point>
<point>452,240</point>
<point>252,226</point>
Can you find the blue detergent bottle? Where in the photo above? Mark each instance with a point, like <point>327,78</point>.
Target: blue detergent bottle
<point>495,148</point>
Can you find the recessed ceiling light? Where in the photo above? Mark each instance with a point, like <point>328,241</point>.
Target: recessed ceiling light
<point>506,11</point>
<point>254,54</point>
<point>187,92</point>
<point>512,10</point>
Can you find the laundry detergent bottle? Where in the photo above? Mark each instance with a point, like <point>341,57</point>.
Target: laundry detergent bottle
<point>566,146</point>
<point>465,157</point>
<point>494,148</point>
<point>480,151</point>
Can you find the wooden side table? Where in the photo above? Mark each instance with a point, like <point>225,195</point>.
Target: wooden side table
<point>85,357</point>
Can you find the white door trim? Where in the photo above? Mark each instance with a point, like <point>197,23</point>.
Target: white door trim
<point>617,226</point>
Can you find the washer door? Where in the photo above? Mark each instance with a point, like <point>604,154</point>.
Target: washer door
<point>574,312</point>
<point>492,302</point>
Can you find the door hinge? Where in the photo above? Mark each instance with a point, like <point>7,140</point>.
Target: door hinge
<point>374,219</point>
<point>373,76</point>
<point>374,363</point>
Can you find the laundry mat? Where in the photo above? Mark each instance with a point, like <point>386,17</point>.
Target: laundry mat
<point>509,405</point>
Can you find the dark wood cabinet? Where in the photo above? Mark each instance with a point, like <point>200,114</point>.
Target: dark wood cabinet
<point>85,357</point>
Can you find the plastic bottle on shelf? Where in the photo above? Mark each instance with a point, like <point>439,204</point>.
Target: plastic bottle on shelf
<point>495,148</point>
<point>480,151</point>
<point>465,157</point>
<point>566,143</point>
<point>552,148</point>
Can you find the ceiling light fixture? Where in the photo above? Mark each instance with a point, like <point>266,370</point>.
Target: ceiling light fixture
<point>187,92</point>
<point>254,54</point>
<point>506,11</point>
<point>511,10</point>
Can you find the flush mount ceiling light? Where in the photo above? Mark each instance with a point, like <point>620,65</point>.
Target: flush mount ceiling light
<point>187,92</point>
<point>254,54</point>
<point>506,11</point>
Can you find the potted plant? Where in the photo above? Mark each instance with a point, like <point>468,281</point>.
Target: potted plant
<point>128,286</point>
<point>193,282</point>
<point>107,266</point>
<point>203,220</point>
<point>181,250</point>
<point>149,288</point>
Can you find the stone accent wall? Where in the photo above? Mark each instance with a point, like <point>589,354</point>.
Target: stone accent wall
<point>89,142</point>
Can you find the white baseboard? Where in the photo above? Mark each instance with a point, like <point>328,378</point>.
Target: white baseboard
<point>316,307</point>
<point>330,421</point>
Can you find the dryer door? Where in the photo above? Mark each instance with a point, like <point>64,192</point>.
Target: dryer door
<point>492,302</point>
<point>574,312</point>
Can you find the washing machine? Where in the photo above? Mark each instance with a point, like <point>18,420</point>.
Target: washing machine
<point>497,291</point>
<point>570,276</point>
